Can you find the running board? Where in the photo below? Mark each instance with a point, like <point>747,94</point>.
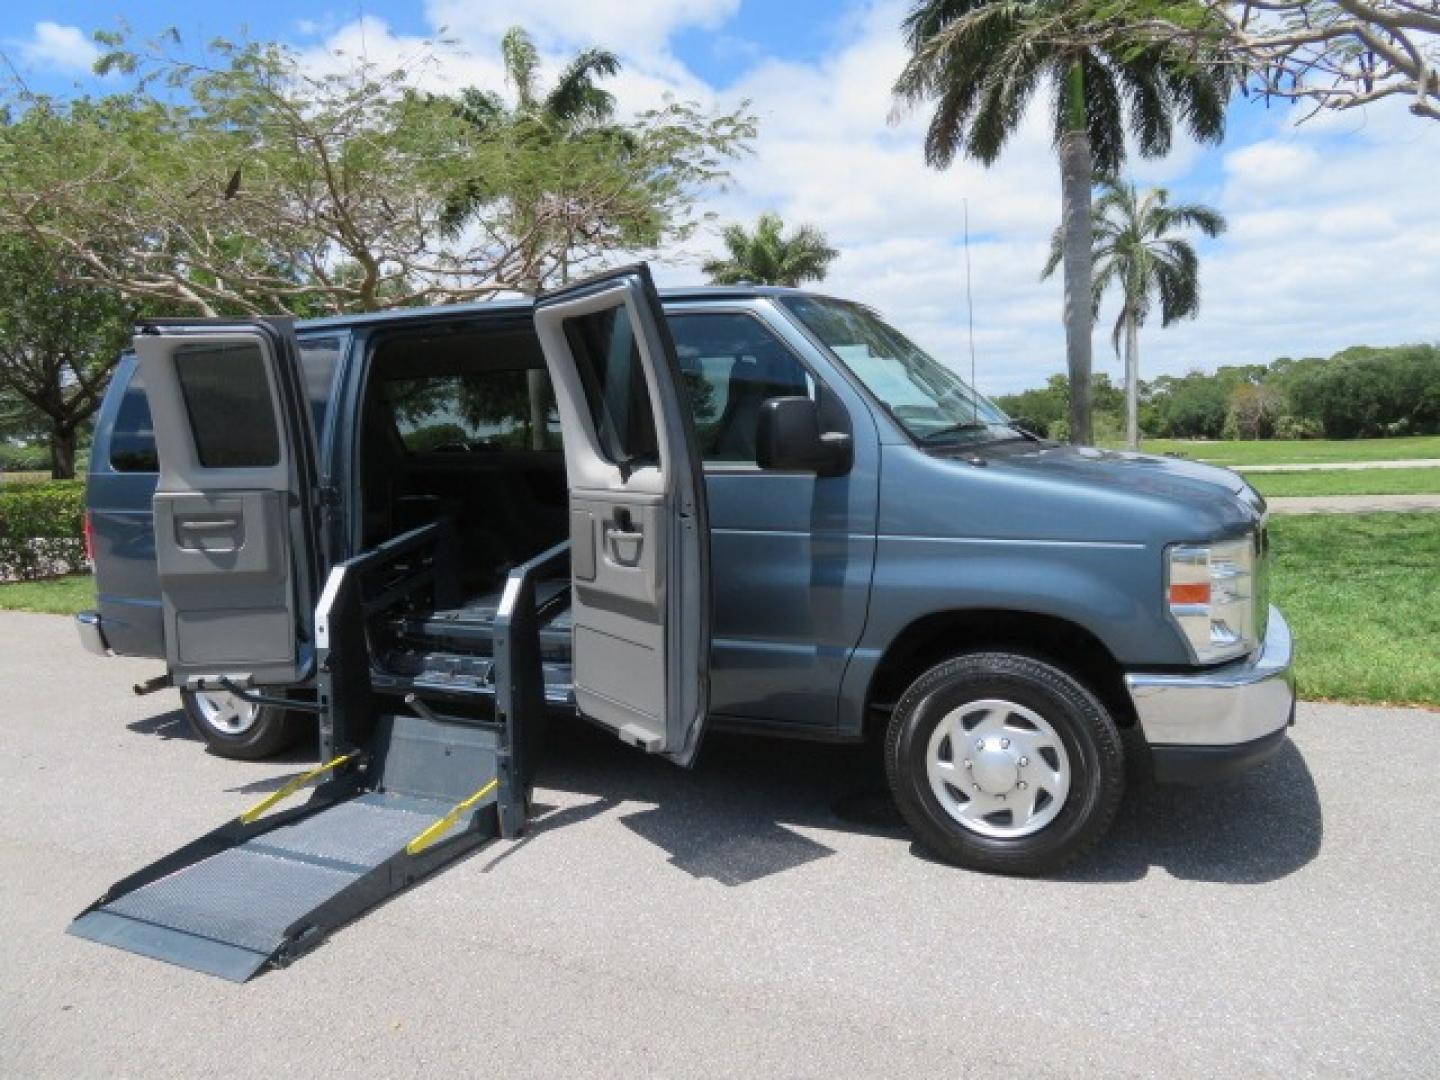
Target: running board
<point>265,891</point>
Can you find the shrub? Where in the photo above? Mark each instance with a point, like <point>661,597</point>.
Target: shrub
<point>1298,427</point>
<point>41,529</point>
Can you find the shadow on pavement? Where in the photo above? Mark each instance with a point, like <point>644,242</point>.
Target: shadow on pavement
<point>729,819</point>
<point>167,725</point>
<point>733,817</point>
<point>1253,828</point>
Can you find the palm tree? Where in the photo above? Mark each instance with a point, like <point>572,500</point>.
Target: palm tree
<point>576,104</point>
<point>981,61</point>
<point>765,257</point>
<point>1135,246</point>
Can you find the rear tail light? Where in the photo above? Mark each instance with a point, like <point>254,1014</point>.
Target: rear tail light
<point>89,533</point>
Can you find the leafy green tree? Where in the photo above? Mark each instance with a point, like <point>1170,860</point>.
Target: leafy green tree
<point>768,257</point>
<point>1045,411</point>
<point>981,63</point>
<point>59,341</point>
<point>241,181</point>
<point>575,110</point>
<point>1366,392</point>
<point>1135,248</point>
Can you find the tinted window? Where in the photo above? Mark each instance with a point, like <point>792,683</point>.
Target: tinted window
<point>480,410</point>
<point>227,397</point>
<point>732,365</point>
<point>132,439</point>
<point>607,356</point>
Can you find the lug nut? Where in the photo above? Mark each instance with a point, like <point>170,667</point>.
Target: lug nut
<point>1004,744</point>
<point>1023,762</point>
<point>1022,785</point>
<point>968,764</point>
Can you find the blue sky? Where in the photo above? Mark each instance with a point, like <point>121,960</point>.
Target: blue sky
<point>1334,237</point>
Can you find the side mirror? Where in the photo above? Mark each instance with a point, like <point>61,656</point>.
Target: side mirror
<point>788,438</point>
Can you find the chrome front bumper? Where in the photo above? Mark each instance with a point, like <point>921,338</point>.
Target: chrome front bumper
<point>1246,705</point>
<point>92,637</point>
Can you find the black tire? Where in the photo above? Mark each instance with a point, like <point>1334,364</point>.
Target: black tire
<point>272,730</point>
<point>1085,730</point>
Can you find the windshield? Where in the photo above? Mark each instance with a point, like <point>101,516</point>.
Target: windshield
<point>926,397</point>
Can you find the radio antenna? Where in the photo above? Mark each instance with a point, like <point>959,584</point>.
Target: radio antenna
<point>970,316</point>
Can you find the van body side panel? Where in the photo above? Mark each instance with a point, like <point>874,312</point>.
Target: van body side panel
<point>792,556</point>
<point>122,528</point>
<point>955,536</point>
<point>791,587</point>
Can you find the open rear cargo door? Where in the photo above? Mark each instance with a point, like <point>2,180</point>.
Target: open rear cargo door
<point>234,505</point>
<point>640,543</point>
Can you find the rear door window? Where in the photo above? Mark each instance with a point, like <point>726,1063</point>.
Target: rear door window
<point>132,438</point>
<point>228,399</point>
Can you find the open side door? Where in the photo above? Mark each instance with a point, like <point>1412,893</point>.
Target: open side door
<point>640,542</point>
<point>234,506</point>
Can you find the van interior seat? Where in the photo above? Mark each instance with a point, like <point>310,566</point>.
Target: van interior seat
<point>445,435</point>
<point>755,379</point>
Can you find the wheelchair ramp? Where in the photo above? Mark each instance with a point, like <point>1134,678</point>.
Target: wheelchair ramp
<point>264,891</point>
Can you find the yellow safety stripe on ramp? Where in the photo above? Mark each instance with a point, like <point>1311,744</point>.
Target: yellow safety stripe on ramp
<point>293,786</point>
<point>446,823</point>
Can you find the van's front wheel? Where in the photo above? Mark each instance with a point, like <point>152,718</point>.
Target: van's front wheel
<point>235,728</point>
<point>1004,763</point>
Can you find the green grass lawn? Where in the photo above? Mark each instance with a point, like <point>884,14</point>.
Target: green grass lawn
<point>53,596</point>
<point>1348,482</point>
<point>1275,452</point>
<point>1359,592</point>
<point>1358,589</point>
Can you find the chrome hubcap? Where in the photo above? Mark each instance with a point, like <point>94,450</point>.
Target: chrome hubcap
<point>998,768</point>
<point>225,712</point>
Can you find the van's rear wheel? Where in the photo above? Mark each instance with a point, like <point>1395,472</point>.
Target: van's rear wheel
<point>1004,763</point>
<point>235,728</point>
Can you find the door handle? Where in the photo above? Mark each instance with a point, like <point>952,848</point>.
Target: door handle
<point>210,525</point>
<point>624,540</point>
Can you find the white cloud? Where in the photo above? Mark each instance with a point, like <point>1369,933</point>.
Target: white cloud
<point>63,49</point>
<point>632,26</point>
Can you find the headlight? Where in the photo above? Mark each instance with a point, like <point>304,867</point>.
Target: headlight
<point>1214,597</point>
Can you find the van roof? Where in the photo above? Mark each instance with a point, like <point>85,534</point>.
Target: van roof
<point>520,303</point>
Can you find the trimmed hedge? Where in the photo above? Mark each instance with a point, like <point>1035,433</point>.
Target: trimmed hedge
<point>42,529</point>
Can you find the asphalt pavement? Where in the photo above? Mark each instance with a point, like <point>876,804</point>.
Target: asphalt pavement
<point>764,915</point>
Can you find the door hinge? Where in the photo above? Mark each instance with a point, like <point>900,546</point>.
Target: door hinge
<point>327,496</point>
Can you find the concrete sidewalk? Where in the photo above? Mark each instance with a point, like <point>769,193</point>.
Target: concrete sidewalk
<point>1352,504</point>
<point>1338,466</point>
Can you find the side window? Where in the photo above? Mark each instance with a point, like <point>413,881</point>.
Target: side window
<point>132,439</point>
<point>507,409</point>
<point>318,359</point>
<point>227,396</point>
<point>607,356</point>
<point>732,365</point>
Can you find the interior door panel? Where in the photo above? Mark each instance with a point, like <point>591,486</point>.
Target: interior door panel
<point>640,541</point>
<point>234,541</point>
